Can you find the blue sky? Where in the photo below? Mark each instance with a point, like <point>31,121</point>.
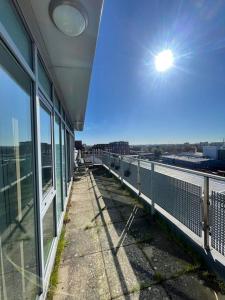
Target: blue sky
<point>129,100</point>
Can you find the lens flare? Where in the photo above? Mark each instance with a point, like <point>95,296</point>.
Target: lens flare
<point>164,60</point>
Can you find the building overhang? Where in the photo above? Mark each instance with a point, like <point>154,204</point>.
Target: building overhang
<point>68,59</point>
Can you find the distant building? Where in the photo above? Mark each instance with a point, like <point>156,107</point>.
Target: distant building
<point>120,147</point>
<point>212,158</point>
<point>214,152</point>
<point>221,154</point>
<point>188,161</point>
<point>143,154</point>
<point>203,143</point>
<point>211,151</point>
<point>100,147</point>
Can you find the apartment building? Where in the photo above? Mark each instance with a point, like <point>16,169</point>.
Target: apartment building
<point>46,54</point>
<point>114,147</point>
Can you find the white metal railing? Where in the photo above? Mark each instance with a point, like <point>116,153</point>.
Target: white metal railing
<point>196,199</point>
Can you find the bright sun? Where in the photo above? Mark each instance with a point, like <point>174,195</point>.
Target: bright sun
<point>164,60</point>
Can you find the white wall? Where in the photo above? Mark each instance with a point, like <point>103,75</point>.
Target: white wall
<point>211,151</point>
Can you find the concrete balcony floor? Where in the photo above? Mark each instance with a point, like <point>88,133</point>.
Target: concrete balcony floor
<point>115,251</point>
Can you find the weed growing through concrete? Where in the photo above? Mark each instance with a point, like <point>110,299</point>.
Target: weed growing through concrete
<point>61,245</point>
<point>54,276</point>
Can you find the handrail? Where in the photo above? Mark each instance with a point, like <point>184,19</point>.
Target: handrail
<point>199,173</point>
<point>198,206</point>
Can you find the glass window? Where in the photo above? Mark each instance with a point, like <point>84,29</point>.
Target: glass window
<point>15,28</point>
<point>46,149</point>
<point>58,168</point>
<point>57,103</point>
<point>72,154</point>
<point>63,114</point>
<point>63,162</point>
<point>48,230</point>
<point>43,79</point>
<point>17,225</point>
<point>68,156</point>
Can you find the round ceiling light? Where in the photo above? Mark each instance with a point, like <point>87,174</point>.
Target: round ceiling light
<point>68,16</point>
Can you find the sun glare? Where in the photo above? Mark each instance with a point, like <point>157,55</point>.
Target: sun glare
<point>164,60</point>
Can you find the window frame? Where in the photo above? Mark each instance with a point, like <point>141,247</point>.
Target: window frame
<point>38,95</point>
<point>15,55</point>
<point>48,196</point>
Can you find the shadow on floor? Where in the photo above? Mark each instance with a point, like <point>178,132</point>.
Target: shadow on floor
<point>147,263</point>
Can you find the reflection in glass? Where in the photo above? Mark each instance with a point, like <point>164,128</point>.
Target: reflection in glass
<point>17,228</point>
<point>58,169</point>
<point>63,162</point>
<point>68,156</point>
<point>46,149</point>
<point>15,28</point>
<point>48,230</point>
<point>43,79</point>
<point>57,102</point>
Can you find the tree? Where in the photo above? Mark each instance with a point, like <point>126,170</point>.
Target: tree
<point>157,153</point>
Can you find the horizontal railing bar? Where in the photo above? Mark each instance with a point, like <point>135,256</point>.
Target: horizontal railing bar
<point>204,221</point>
<point>199,173</point>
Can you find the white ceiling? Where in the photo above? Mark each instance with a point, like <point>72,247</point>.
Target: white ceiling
<point>68,59</point>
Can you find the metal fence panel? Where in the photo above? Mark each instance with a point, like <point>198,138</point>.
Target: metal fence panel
<point>105,159</point>
<point>132,178</point>
<point>145,177</point>
<point>179,198</point>
<point>217,216</point>
<point>115,164</point>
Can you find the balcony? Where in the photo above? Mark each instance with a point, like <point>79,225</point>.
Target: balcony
<point>123,244</point>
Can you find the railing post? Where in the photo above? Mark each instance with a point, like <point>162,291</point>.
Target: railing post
<point>93,157</point>
<point>121,170</point>
<point>102,156</point>
<point>138,177</point>
<point>206,204</point>
<point>109,161</point>
<point>152,185</point>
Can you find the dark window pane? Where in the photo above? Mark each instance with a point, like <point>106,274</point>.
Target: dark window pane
<point>68,156</point>
<point>58,169</point>
<point>46,149</point>
<point>57,103</point>
<point>17,225</point>
<point>48,230</point>
<point>63,114</point>
<point>43,79</point>
<point>15,28</point>
<point>63,163</point>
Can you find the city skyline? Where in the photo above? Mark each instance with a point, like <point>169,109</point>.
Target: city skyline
<point>157,144</point>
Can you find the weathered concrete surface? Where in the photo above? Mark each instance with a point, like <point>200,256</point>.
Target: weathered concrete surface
<point>115,251</point>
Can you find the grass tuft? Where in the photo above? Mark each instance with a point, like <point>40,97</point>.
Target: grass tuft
<point>54,276</point>
<point>158,277</point>
<point>212,281</point>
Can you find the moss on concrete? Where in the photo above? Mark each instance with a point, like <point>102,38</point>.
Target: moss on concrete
<point>54,276</point>
<point>198,266</point>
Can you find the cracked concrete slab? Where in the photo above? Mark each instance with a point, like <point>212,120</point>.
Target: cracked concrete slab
<point>108,216</point>
<point>81,206</point>
<point>87,220</point>
<point>127,270</point>
<point>168,261</point>
<point>155,292</point>
<point>187,287</point>
<point>82,278</point>
<point>136,210</point>
<point>115,235</point>
<point>80,242</point>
